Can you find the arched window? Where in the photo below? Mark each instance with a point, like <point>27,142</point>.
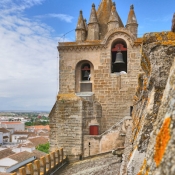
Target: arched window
<point>84,76</point>
<point>119,56</point>
<point>85,72</point>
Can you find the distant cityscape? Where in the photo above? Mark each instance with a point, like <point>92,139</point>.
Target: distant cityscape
<point>22,134</point>
<point>26,117</point>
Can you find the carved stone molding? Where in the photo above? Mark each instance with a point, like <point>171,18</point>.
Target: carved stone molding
<point>81,47</point>
<point>119,32</point>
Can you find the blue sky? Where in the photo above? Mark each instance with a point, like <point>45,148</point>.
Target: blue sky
<point>30,31</point>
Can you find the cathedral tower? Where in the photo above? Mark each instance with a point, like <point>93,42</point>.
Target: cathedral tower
<point>97,80</point>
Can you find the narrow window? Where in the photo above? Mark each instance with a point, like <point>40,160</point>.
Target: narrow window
<point>131,108</point>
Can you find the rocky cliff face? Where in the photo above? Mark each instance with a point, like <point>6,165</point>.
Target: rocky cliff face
<point>153,116</point>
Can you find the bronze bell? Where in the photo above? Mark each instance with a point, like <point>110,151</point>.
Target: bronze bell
<point>86,74</point>
<point>119,58</point>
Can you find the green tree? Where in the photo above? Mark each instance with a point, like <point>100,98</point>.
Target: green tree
<point>44,147</point>
<point>28,123</point>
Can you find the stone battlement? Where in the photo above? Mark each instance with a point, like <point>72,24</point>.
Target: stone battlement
<point>46,165</point>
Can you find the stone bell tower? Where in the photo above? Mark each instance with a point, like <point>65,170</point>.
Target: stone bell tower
<point>95,89</point>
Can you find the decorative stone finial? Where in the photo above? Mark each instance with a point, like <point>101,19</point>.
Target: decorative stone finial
<point>85,20</point>
<point>81,12</point>
<point>114,4</point>
<point>132,7</point>
<point>173,24</point>
<point>93,5</point>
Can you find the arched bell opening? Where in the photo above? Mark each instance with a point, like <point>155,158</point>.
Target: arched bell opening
<point>85,72</point>
<point>84,76</point>
<point>119,56</point>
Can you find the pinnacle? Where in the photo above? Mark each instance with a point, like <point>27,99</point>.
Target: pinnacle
<point>80,24</point>
<point>131,17</point>
<point>93,15</point>
<point>113,16</point>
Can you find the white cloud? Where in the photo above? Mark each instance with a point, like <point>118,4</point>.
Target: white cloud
<point>14,6</point>
<point>62,17</point>
<point>28,59</point>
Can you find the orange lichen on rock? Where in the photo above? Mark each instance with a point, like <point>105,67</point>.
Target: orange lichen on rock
<point>168,43</point>
<point>159,36</point>
<point>162,38</point>
<point>162,140</point>
<point>135,98</point>
<point>145,82</point>
<point>145,64</point>
<point>138,41</point>
<point>137,125</point>
<point>143,168</point>
<point>171,36</point>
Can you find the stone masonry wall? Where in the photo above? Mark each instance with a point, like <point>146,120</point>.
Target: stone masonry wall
<point>112,139</point>
<point>66,125</point>
<point>92,114</point>
<point>153,114</point>
<point>70,119</point>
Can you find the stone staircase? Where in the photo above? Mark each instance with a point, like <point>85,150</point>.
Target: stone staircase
<point>103,164</point>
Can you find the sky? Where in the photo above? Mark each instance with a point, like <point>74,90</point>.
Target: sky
<point>29,34</point>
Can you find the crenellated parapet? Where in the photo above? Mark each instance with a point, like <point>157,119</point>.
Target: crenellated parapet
<point>45,165</point>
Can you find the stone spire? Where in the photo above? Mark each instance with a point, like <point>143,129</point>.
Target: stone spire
<point>103,15</point>
<point>80,24</point>
<point>173,24</point>
<point>113,19</point>
<point>132,21</point>
<point>93,26</point>
<point>93,16</point>
<point>81,28</point>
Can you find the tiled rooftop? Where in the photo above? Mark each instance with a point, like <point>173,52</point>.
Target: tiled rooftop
<point>21,156</point>
<point>5,153</point>
<point>38,140</point>
<point>30,134</point>
<point>27,145</point>
<point>4,130</point>
<point>38,153</point>
<point>10,123</point>
<point>36,127</point>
